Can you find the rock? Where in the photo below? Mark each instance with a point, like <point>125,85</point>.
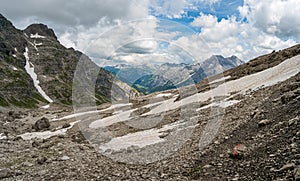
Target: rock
<point>297,173</point>
<point>41,124</point>
<point>207,166</point>
<point>64,158</point>
<point>66,125</point>
<point>5,173</point>
<point>238,151</point>
<point>35,144</point>
<point>287,167</point>
<point>264,122</point>
<point>41,160</point>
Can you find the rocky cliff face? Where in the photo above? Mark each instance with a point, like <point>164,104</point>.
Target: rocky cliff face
<point>53,65</point>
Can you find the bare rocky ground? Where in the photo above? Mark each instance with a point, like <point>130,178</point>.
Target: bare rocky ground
<point>258,139</point>
<point>265,123</point>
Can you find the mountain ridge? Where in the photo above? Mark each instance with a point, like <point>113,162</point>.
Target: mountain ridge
<point>53,63</point>
<point>149,79</point>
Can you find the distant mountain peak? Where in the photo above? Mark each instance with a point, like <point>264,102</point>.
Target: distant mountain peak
<point>40,29</point>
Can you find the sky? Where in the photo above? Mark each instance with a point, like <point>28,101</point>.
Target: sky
<point>159,31</point>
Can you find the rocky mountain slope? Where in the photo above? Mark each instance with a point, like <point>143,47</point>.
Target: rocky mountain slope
<point>239,125</point>
<point>154,78</point>
<point>36,69</point>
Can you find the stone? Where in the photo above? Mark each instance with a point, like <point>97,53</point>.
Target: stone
<point>297,173</point>
<point>66,125</point>
<point>264,122</point>
<point>238,151</point>
<point>41,124</point>
<point>5,173</point>
<point>287,167</point>
<point>41,160</point>
<point>64,158</point>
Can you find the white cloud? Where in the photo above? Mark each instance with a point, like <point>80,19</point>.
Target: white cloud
<point>75,12</point>
<point>275,17</point>
<point>244,39</point>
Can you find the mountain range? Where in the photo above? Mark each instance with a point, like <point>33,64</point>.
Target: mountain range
<point>153,78</point>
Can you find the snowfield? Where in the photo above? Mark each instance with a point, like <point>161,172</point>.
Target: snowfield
<point>30,70</point>
<point>46,134</point>
<point>268,77</point>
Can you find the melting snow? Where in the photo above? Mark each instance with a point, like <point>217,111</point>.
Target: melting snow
<point>14,68</point>
<point>119,117</point>
<point>223,104</point>
<point>36,36</point>
<point>30,70</point>
<point>114,106</point>
<point>220,80</point>
<point>268,77</point>
<point>163,95</point>
<point>46,134</point>
<point>140,139</point>
<point>45,107</point>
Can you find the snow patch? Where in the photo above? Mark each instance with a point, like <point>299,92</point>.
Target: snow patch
<point>223,104</point>
<point>107,121</point>
<point>163,95</point>
<point>114,106</point>
<point>46,134</point>
<point>36,36</point>
<point>2,136</point>
<point>14,68</point>
<point>220,80</point>
<point>45,107</point>
<point>30,70</point>
<point>139,139</point>
<point>14,55</point>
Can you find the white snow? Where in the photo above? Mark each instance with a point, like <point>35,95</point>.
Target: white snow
<point>220,80</point>
<point>38,44</point>
<point>36,36</point>
<point>46,134</point>
<point>16,50</point>
<point>140,139</point>
<point>268,77</point>
<point>114,106</point>
<point>30,70</point>
<point>107,121</point>
<point>223,104</point>
<point>14,55</point>
<point>163,95</point>
<point>45,107</point>
<point>2,136</point>
<point>14,68</point>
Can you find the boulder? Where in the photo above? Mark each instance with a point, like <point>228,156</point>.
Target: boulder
<point>41,124</point>
<point>5,173</point>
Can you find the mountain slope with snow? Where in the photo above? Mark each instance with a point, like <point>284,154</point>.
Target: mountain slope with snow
<point>36,69</point>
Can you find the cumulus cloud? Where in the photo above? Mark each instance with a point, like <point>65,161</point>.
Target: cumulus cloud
<point>245,39</point>
<point>275,17</point>
<point>75,12</point>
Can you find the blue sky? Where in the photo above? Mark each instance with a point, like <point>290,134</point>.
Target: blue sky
<point>166,30</point>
